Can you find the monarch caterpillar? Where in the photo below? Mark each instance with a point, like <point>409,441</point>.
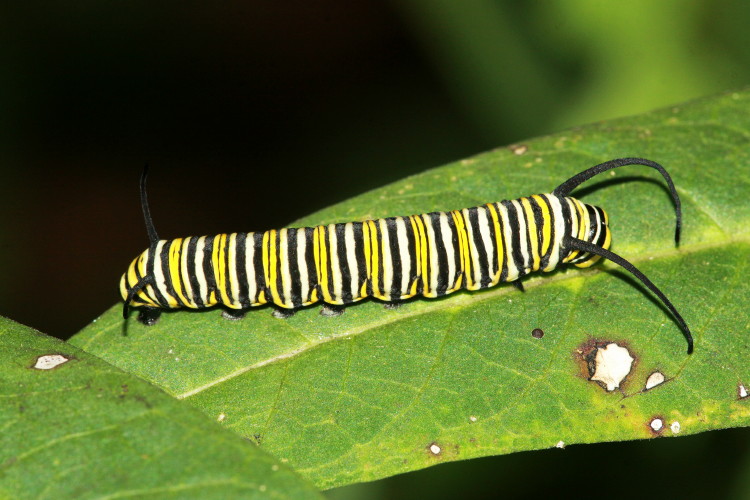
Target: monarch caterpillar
<point>391,259</point>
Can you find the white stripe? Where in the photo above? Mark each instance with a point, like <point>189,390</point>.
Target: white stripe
<point>450,250</point>
<point>187,289</point>
<point>431,248</point>
<point>232,264</point>
<point>598,226</point>
<point>351,260</point>
<point>523,236</point>
<point>333,257</point>
<point>489,245</point>
<point>159,275</point>
<point>302,265</point>
<point>250,271</point>
<point>403,249</point>
<point>559,221</point>
<point>507,230</point>
<point>476,272</point>
<point>286,277</point>
<point>148,290</point>
<point>387,260</point>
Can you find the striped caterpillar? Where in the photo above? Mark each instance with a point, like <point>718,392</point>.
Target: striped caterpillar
<point>390,259</point>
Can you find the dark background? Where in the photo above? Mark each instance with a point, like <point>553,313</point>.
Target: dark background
<point>254,113</point>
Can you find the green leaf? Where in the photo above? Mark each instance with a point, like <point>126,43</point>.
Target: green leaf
<point>378,392</point>
<point>75,427</point>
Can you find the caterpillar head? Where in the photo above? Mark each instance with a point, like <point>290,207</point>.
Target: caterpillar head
<point>134,283</point>
<point>593,228</point>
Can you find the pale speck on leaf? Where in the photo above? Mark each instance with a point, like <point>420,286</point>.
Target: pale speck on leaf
<point>50,361</point>
<point>657,424</point>
<point>612,364</point>
<point>656,378</point>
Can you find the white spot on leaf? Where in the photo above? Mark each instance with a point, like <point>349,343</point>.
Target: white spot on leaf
<point>519,149</point>
<point>560,444</point>
<point>657,424</point>
<point>656,378</point>
<point>435,449</point>
<point>612,364</point>
<point>50,361</point>
<point>221,417</point>
<point>675,427</point>
<point>473,418</point>
<point>742,391</point>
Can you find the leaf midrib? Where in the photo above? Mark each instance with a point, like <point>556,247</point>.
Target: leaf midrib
<point>460,300</point>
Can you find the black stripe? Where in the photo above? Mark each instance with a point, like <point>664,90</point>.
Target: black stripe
<point>155,294</point>
<point>194,285</point>
<point>208,268</point>
<point>279,279</point>
<point>164,256</point>
<point>398,272</point>
<point>485,277</point>
<point>411,237</point>
<point>240,257</point>
<point>515,234</point>
<point>381,267</point>
<point>456,250</point>
<point>528,258</point>
<point>504,264</point>
<point>567,225</point>
<point>312,270</point>
<point>260,275</point>
<point>493,241</point>
<point>442,256</point>
<point>296,288</point>
<point>227,275</point>
<point>329,262</point>
<point>346,276</point>
<point>359,255</point>
<point>602,227</point>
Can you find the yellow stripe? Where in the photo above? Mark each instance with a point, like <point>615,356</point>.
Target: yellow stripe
<point>417,254</point>
<point>464,252</point>
<point>582,218</point>
<point>423,253</point>
<point>323,265</point>
<point>368,263</point>
<point>608,237</point>
<point>273,269</point>
<point>531,228</point>
<point>226,265</point>
<point>500,255</point>
<point>374,257</point>
<point>546,224</point>
<point>175,266</point>
<point>266,266</point>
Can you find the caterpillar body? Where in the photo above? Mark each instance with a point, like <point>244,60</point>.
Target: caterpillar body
<point>391,259</point>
